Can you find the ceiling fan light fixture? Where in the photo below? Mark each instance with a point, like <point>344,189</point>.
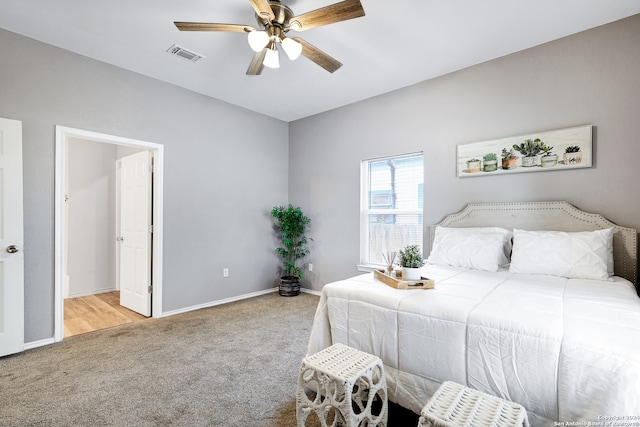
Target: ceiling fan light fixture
<point>295,26</point>
<point>271,59</point>
<point>292,48</point>
<point>274,21</point>
<point>258,40</point>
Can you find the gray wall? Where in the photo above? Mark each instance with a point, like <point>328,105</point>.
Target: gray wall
<point>589,78</point>
<point>225,167</point>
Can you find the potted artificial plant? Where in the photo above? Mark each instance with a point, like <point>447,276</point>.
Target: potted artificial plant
<point>410,260</point>
<point>509,159</point>
<point>291,225</point>
<point>529,150</point>
<point>572,155</point>
<point>490,162</point>
<point>548,159</point>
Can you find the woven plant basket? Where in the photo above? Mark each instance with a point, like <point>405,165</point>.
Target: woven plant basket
<point>289,286</point>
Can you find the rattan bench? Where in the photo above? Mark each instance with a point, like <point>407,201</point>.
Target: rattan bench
<point>454,405</point>
<point>343,386</point>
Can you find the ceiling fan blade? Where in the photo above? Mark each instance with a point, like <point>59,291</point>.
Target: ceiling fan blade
<point>204,26</point>
<point>319,57</point>
<point>263,9</point>
<point>337,12</point>
<point>256,66</point>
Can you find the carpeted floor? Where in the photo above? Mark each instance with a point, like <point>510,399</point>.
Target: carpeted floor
<point>230,365</point>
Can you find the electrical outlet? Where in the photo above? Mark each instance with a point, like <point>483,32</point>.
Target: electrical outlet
<point>225,272</point>
<point>310,267</point>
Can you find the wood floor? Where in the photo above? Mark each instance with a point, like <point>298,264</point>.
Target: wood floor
<point>95,312</point>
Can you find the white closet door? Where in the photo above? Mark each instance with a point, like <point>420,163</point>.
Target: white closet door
<point>11,239</point>
<point>135,232</point>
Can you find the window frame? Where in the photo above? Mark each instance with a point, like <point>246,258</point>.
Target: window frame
<point>364,264</point>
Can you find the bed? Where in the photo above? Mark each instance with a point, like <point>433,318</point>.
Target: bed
<point>555,327</point>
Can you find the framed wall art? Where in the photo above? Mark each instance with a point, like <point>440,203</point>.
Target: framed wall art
<point>561,149</point>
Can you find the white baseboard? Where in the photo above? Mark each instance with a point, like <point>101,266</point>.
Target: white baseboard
<point>311,291</point>
<point>92,292</point>
<point>40,343</point>
<point>214,303</point>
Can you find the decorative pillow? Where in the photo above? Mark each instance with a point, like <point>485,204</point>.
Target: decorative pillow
<point>479,248</point>
<point>576,255</point>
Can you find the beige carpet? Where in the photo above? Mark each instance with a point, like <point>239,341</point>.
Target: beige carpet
<point>230,365</point>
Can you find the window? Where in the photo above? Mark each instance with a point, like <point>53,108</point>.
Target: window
<point>391,205</point>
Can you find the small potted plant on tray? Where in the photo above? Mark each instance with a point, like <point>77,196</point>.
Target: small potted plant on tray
<point>410,260</point>
<point>291,225</point>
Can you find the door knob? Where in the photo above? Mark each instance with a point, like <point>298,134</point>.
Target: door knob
<point>12,249</point>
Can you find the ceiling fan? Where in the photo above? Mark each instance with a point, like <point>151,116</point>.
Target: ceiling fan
<point>275,21</point>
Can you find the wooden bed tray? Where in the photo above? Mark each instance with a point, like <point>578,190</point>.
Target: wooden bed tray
<point>398,283</point>
<point>556,216</point>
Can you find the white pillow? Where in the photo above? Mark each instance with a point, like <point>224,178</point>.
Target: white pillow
<point>479,248</point>
<point>576,255</point>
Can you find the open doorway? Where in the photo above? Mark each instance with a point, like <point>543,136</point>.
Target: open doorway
<point>89,237</point>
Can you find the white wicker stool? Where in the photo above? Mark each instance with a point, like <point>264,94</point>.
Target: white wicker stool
<point>454,405</point>
<point>343,386</point>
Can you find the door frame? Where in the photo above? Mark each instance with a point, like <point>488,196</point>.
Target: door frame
<point>62,136</point>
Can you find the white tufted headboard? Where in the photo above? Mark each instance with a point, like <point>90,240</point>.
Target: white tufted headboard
<point>557,215</point>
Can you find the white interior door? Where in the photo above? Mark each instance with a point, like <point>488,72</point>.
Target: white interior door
<point>11,239</point>
<point>135,232</point>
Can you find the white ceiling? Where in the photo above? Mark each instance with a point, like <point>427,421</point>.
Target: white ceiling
<point>397,43</point>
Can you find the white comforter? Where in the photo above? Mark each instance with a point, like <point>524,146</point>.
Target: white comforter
<point>566,349</point>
